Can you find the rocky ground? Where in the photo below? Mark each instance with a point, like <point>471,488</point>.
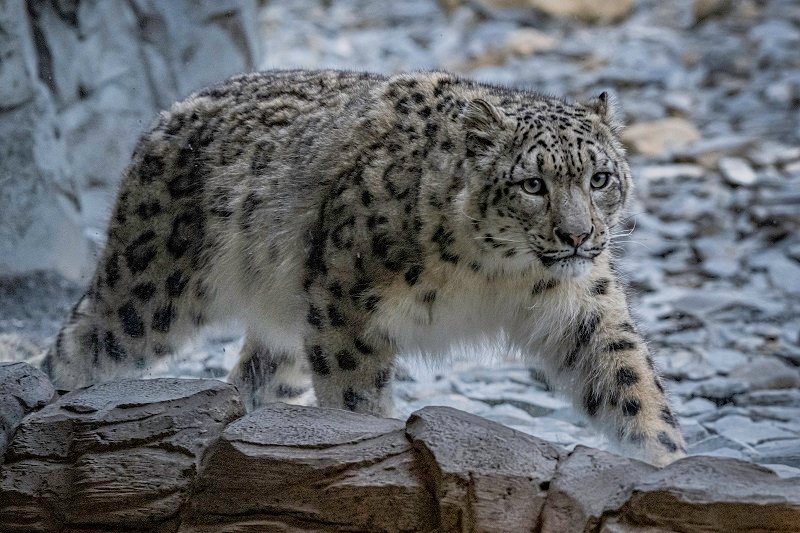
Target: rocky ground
<point>180,455</point>
<point>711,93</point>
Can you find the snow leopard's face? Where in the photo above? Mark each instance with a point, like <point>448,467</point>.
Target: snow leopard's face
<point>550,183</point>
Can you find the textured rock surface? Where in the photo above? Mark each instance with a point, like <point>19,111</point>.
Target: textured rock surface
<point>179,456</point>
<point>290,468</point>
<point>481,470</point>
<point>116,456</point>
<point>713,494</point>
<point>23,389</point>
<point>587,484</point>
<point>714,266</point>
<point>78,84</point>
<point>40,225</point>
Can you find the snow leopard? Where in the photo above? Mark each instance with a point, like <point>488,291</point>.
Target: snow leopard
<point>342,218</point>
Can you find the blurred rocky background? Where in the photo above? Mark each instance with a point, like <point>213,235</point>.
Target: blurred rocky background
<point>79,82</point>
<point>710,90</point>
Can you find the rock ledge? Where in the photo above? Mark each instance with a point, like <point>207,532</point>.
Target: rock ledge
<point>180,455</point>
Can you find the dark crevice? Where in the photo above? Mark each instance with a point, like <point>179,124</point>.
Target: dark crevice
<point>44,61</point>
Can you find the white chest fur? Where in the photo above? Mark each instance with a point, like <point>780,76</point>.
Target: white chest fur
<point>465,309</point>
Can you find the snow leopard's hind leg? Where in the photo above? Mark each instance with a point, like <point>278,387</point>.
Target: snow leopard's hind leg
<point>266,374</point>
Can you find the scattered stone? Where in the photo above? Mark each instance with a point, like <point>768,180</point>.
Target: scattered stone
<point>724,360</point>
<point>770,152</point>
<point>783,471</point>
<point>695,406</point>
<point>693,431</point>
<point>592,11</point>
<point>528,41</point>
<point>742,429</point>
<point>767,373</point>
<point>705,9</point>
<point>670,172</point>
<point>23,389</point>
<point>722,389</point>
<point>785,452</point>
<point>782,397</point>
<point>659,137</point>
<point>530,399</point>
<point>15,347</point>
<point>737,171</point>
<point>708,151</point>
<point>715,442</point>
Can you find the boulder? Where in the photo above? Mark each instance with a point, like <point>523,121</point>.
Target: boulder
<point>586,485</point>
<point>115,456</point>
<point>711,494</point>
<point>293,468</point>
<point>486,476</point>
<point>23,389</point>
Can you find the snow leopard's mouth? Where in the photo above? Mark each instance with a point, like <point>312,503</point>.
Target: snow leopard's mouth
<point>577,255</point>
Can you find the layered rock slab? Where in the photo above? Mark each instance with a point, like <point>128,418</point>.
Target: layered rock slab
<point>486,476</point>
<point>597,491</point>
<point>23,389</point>
<point>293,468</point>
<point>711,494</point>
<point>115,456</point>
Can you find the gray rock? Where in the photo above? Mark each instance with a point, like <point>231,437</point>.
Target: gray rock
<point>782,397</point>
<point>477,466</point>
<point>534,401</point>
<point>694,406</point>
<point>785,452</point>
<point>693,431</point>
<point>712,494</point>
<point>766,373</point>
<point>724,360</point>
<point>587,484</point>
<point>23,389</point>
<point>737,171</point>
<point>771,152</point>
<point>716,442</point>
<point>719,388</point>
<point>114,456</point>
<point>292,468</point>
<point>743,429</point>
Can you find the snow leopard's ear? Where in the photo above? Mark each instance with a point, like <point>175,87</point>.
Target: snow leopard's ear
<point>483,123</point>
<point>605,106</point>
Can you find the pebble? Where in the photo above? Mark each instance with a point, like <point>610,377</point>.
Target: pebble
<point>737,171</point>
<point>766,373</point>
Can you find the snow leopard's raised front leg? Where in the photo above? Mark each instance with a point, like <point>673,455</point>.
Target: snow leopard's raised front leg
<point>605,367</point>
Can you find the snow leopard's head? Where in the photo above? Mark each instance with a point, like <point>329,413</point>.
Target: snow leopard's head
<point>547,181</point>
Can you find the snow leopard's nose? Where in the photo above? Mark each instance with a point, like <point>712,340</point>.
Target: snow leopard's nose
<point>573,239</point>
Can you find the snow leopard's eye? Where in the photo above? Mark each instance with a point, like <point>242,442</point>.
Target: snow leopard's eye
<point>534,186</point>
<point>600,180</point>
